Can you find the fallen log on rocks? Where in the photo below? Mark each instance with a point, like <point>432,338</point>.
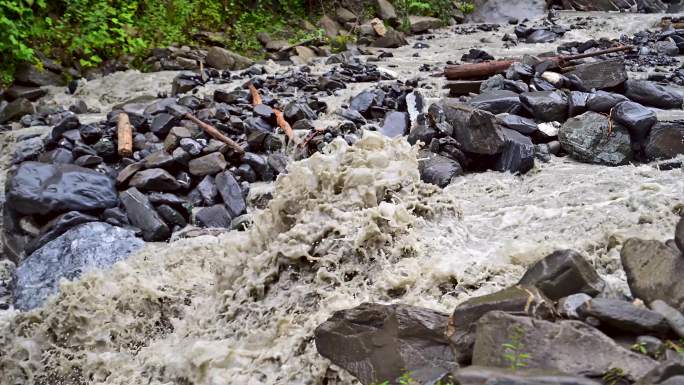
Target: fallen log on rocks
<point>283,124</point>
<point>124,133</point>
<point>477,70</point>
<point>215,133</point>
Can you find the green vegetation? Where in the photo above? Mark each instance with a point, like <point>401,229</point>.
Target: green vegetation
<point>406,379</point>
<point>86,32</point>
<point>442,9</point>
<point>513,350</point>
<point>614,376</point>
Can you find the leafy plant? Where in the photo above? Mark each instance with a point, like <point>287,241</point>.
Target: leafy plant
<point>513,350</point>
<point>614,376</point>
<point>640,347</point>
<point>442,9</point>
<point>17,25</point>
<point>466,7</point>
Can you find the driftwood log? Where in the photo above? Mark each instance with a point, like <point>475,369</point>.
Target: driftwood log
<point>124,134</point>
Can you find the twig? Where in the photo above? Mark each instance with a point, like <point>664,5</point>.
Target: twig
<point>215,133</point>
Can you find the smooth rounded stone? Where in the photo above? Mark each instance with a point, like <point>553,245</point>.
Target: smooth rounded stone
<point>171,216</point>
<point>476,130</point>
<point>665,141</point>
<point>90,133</point>
<point>546,106</point>
<point>56,156</point>
<point>603,102</point>
<point>674,317</point>
<point>27,149</point>
<point>653,271</point>
<point>567,306</point>
<point>653,94</point>
<point>562,273</point>
<point>391,39</point>
<point>72,135</point>
<point>667,47</point>
<point>637,118</point>
<point>191,146</point>
<point>396,124</point>
<point>586,139</point>
<point>208,191</point>
<point>159,159</point>
<point>437,169</point>
<point>81,249</point>
<point>518,153</point>
<point>516,299</point>
<point>156,179</point>
<point>264,111</point>
<point>232,193</point>
<point>207,164</point>
<point>7,283</point>
<point>83,149</point>
<point>223,59</point>
<point>142,215</point>
<point>213,216</point>
<point>620,317</point>
<point>409,337</point>
<point>162,123</point>
<point>88,161</point>
<point>554,346</point>
<point>115,215</point>
<point>523,125</point>
<point>39,188</point>
<point>497,102</point>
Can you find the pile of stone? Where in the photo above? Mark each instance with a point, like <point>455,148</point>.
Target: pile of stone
<point>178,173</point>
<point>559,325</point>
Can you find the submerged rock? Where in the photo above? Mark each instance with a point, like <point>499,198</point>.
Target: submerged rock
<point>586,139</point>
<point>84,248</point>
<point>377,342</point>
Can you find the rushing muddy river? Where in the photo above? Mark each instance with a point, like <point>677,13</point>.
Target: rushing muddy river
<point>349,225</point>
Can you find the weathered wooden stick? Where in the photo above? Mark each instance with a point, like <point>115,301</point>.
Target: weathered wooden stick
<point>124,134</point>
<point>283,124</point>
<point>479,70</point>
<point>256,98</point>
<point>215,133</point>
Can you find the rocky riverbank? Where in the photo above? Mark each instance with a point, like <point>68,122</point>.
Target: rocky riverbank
<point>350,222</point>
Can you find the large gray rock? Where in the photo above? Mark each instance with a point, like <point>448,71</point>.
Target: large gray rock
<point>516,299</point>
<point>618,317</point>
<point>654,271</point>
<point>392,39</point>
<point>546,106</point>
<point>420,24</point>
<point>563,273</point>
<point>39,188</point>
<point>673,316</point>
<point>378,342</point>
<point>653,94</point>
<point>518,153</point>
<point>437,169</point>
<point>84,248</point>
<point>231,192</point>
<point>223,59</point>
<point>476,130</point>
<point>586,139</point>
<point>386,11</point>
<point>142,215</point>
<point>207,164</point>
<point>571,347</point>
<point>497,102</point>
<point>480,375</point>
<point>29,75</point>
<point>16,109</point>
<point>665,141</point>
<point>601,74</point>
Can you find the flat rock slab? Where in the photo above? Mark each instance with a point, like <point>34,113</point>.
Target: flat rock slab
<point>83,248</point>
<point>601,75</point>
<point>587,139</point>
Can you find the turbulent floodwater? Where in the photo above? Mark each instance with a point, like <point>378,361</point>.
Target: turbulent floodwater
<point>351,225</point>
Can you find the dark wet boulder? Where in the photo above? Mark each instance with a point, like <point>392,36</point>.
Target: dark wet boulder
<point>437,169</point>
<point>68,123</point>
<point>518,153</point>
<point>664,374</point>
<point>39,188</point>
<point>653,271</point>
<point>638,120</point>
<point>665,141</point>
<point>562,273</point>
<point>521,124</point>
<point>156,179</point>
<point>377,342</point>
<point>516,299</point>
<point>213,216</point>
<point>554,346</point>
<point>90,133</point>
<point>30,75</point>
<point>546,106</point>
<point>603,102</point>
<point>622,317</point>
<point>480,375</point>
<point>674,317</point>
<point>587,139</point>
<point>395,124</point>
<point>476,130</point>
<point>231,192</point>
<point>171,216</point>
<point>577,103</point>
<point>83,248</point>
<point>653,94</point>
<point>568,306</point>
<point>601,74</point>
<point>497,102</point>
<point>27,149</point>
<point>142,215</point>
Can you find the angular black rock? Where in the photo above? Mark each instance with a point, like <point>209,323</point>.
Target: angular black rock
<point>497,102</point>
<point>653,94</point>
<point>518,153</point>
<point>142,215</point>
<point>546,106</point>
<point>437,169</point>
<point>665,141</point>
<point>523,125</point>
<point>638,120</point>
<point>601,74</point>
<point>624,317</point>
<point>231,192</point>
<point>208,191</point>
<point>476,130</point>
<point>171,216</point>
<point>156,179</point>
<point>603,102</point>
<point>213,216</point>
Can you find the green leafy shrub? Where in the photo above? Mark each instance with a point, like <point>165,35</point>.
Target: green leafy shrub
<point>17,19</point>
